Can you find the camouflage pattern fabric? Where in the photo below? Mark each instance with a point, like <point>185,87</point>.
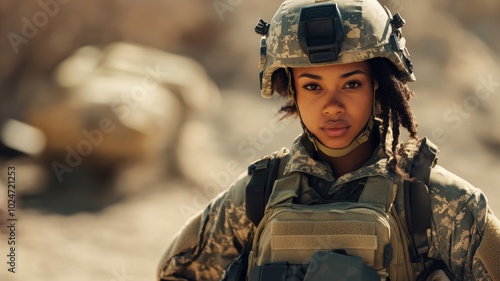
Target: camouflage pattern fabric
<point>209,242</point>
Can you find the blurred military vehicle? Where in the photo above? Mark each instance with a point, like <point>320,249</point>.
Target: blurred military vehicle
<point>110,106</point>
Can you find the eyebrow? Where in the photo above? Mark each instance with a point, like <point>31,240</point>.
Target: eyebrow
<point>348,74</point>
<point>345,75</point>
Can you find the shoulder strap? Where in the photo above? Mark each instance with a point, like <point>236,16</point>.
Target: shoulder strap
<point>417,200</point>
<point>264,172</point>
<point>380,191</point>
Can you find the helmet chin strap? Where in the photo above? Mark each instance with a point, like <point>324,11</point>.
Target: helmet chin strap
<point>362,137</point>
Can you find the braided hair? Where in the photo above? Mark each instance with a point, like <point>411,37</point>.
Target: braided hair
<point>392,97</point>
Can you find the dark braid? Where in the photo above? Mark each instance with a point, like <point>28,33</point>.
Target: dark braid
<point>393,96</point>
<point>279,81</point>
<point>392,99</point>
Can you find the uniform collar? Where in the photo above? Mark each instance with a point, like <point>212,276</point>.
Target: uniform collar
<point>301,160</point>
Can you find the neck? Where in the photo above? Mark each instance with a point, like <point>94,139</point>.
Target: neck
<point>351,161</point>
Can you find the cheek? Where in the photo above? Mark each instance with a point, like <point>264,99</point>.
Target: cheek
<point>307,105</point>
<point>367,106</point>
<point>307,109</point>
<point>301,101</point>
<point>361,108</point>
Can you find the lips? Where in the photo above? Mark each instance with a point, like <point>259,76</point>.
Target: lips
<point>335,129</point>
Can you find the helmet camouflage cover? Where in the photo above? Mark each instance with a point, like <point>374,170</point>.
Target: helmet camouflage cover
<point>306,33</point>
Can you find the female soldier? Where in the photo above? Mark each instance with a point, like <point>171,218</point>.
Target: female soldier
<point>349,202</point>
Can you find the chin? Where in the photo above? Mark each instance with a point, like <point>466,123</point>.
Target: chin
<point>336,144</point>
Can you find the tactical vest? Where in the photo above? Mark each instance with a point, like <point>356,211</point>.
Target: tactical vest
<point>293,233</point>
<point>362,240</point>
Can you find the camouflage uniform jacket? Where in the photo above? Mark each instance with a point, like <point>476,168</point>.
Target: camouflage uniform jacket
<point>211,240</point>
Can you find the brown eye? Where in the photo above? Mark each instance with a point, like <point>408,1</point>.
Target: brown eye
<point>352,84</point>
<point>311,87</point>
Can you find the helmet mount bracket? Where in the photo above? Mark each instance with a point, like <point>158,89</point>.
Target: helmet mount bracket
<point>321,32</point>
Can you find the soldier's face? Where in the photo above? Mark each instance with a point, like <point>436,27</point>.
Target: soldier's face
<point>335,102</point>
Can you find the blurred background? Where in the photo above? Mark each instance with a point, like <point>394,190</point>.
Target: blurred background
<point>123,118</point>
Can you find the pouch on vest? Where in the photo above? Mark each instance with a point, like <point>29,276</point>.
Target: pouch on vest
<point>279,271</point>
<point>328,265</point>
<point>324,266</point>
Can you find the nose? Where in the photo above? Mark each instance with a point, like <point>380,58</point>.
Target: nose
<point>333,104</point>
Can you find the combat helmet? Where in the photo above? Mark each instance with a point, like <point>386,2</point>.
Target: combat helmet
<point>305,33</point>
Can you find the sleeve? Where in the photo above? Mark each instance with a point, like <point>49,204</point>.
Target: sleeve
<point>460,215</point>
<point>489,249</point>
<point>211,240</point>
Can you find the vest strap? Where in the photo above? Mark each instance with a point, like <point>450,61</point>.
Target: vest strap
<point>417,200</point>
<point>263,172</point>
<point>379,190</point>
<point>284,189</point>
